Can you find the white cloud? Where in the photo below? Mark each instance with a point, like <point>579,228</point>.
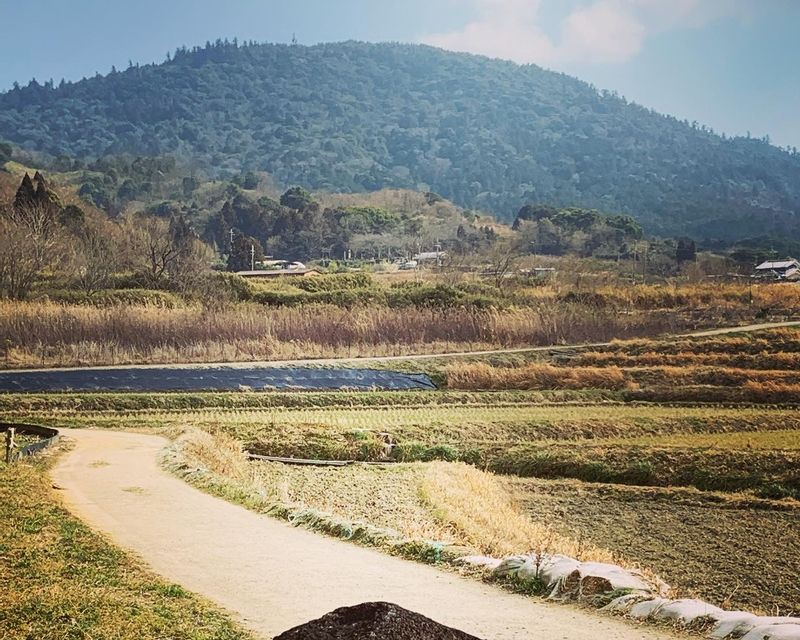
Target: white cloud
<point>505,29</point>
<point>593,31</point>
<point>601,32</point>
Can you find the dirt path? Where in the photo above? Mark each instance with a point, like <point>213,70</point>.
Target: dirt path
<point>273,576</point>
<point>366,360</point>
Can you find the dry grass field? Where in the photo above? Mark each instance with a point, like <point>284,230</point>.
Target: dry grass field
<point>381,318</point>
<point>40,334</point>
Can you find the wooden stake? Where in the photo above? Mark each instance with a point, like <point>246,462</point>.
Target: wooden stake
<point>10,444</point>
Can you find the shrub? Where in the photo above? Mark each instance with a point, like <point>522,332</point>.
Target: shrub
<point>231,286</point>
<point>345,298</point>
<point>114,297</point>
<point>586,298</point>
<point>440,296</point>
<point>335,282</point>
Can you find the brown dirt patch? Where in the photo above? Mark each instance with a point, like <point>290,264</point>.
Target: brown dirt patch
<point>373,620</point>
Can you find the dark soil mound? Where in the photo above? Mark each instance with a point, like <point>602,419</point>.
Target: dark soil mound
<point>373,621</point>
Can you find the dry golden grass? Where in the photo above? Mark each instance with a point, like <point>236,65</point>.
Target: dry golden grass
<point>719,295</point>
<point>785,339</point>
<point>44,334</point>
<point>768,391</point>
<point>764,360</point>
<point>480,512</point>
<point>473,376</point>
<point>755,383</point>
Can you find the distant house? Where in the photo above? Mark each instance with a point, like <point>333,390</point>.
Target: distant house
<point>429,256</point>
<point>279,273</point>
<point>788,269</point>
<point>272,265</point>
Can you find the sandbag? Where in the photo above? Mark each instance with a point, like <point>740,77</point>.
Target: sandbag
<point>774,631</point>
<point>647,608</point>
<point>624,604</point>
<point>593,578</point>
<point>685,611</point>
<point>739,624</point>
<point>567,577</point>
<point>733,624</point>
<point>510,566</point>
<point>550,569</point>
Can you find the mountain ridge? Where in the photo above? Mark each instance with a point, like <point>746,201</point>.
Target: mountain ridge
<point>487,134</point>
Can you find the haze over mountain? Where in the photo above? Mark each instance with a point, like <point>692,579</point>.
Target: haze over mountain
<point>487,134</point>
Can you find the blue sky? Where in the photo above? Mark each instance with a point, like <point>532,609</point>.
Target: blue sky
<point>731,64</point>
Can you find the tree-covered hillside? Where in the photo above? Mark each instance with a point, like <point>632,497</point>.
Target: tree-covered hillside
<point>484,133</point>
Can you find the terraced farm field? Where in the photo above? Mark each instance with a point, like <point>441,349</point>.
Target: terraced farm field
<point>681,457</point>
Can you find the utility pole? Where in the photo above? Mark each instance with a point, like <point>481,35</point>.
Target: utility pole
<point>644,265</point>
<point>230,246</point>
<point>252,257</point>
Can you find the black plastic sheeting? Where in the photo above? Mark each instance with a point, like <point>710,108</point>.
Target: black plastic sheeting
<point>210,379</point>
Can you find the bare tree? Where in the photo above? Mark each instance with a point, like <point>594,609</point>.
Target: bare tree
<point>94,256</point>
<point>503,259</point>
<point>28,234</point>
<point>19,263</point>
<point>167,252</point>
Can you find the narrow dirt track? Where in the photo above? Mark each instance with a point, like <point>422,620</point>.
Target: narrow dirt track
<point>273,576</point>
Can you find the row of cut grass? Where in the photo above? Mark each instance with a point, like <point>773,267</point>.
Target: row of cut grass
<point>774,440</point>
<point>295,430</point>
<point>131,401</point>
<point>767,473</point>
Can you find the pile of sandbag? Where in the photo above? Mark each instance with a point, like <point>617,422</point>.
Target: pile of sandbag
<point>723,624</point>
<point>567,578</point>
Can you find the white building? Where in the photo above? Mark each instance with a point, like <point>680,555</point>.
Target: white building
<point>788,269</point>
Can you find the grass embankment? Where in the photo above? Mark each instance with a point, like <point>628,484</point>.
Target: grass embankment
<point>733,552</point>
<point>427,512</point>
<point>62,581</point>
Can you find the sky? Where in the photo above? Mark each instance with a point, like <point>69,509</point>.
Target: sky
<point>733,65</point>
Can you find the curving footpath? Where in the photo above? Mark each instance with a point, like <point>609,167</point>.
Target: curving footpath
<point>273,576</point>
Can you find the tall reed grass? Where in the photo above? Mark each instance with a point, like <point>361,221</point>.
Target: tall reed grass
<point>535,377</point>
<point>42,334</point>
<point>532,377</point>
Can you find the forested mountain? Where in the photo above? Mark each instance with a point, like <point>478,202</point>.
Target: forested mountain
<point>486,134</point>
